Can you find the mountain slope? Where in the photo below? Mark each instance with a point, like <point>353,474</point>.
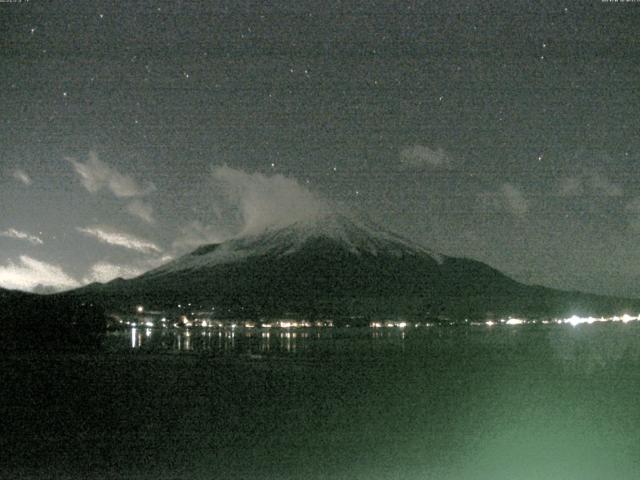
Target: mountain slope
<point>356,237</point>
<point>335,266</point>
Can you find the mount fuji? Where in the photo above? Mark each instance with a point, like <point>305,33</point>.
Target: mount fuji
<point>333,265</point>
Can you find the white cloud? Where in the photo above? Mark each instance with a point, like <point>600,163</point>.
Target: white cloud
<point>120,239</point>
<point>508,198</point>
<point>633,209</point>
<point>196,233</point>
<point>515,199</point>
<point>22,176</point>
<point>590,182</point>
<point>267,201</point>
<point>633,206</point>
<point>570,187</point>
<point>601,185</point>
<point>96,175</point>
<point>30,274</point>
<point>142,210</point>
<point>105,271</point>
<point>421,156</point>
<point>17,234</point>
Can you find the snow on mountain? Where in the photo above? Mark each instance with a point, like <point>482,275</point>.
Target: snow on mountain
<point>354,236</point>
<point>334,266</point>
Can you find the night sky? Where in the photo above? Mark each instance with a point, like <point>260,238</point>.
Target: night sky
<point>501,131</point>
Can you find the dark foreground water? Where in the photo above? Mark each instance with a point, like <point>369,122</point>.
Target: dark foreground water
<point>523,402</point>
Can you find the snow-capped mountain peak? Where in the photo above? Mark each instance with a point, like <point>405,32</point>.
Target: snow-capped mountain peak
<point>357,237</point>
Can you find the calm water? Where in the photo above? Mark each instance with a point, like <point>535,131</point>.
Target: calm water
<point>522,402</point>
<point>257,343</point>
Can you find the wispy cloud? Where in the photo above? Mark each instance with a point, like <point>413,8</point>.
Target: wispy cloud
<point>508,198</point>
<point>22,176</point>
<point>420,156</point>
<point>267,201</point>
<point>633,210</point>
<point>18,235</point>
<point>603,186</point>
<point>590,182</point>
<point>515,199</point>
<point>196,233</point>
<point>142,210</point>
<point>96,175</point>
<point>570,187</point>
<point>30,274</point>
<point>120,239</point>
<point>105,271</point>
<point>633,206</point>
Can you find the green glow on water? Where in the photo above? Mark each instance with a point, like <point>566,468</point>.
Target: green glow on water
<point>486,403</point>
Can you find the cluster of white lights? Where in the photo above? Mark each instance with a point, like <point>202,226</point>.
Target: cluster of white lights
<point>515,321</point>
<point>574,320</point>
<point>292,324</point>
<point>184,321</point>
<point>393,324</point>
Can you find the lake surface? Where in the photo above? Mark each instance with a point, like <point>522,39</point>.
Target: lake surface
<point>502,402</point>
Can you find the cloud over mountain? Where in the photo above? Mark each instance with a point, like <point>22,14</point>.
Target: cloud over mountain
<point>104,271</point>
<point>267,201</point>
<point>29,274</point>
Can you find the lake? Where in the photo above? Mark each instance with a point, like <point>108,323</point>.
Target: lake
<point>444,402</point>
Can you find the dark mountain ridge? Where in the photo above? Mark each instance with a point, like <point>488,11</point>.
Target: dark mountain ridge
<point>336,266</point>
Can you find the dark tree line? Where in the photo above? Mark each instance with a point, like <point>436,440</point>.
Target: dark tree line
<point>49,322</point>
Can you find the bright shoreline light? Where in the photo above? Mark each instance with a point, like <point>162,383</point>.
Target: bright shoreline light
<point>186,322</point>
<point>576,320</point>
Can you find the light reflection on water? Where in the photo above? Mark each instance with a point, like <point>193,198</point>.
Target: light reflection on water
<point>589,346</point>
<point>254,341</point>
<point>511,402</point>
